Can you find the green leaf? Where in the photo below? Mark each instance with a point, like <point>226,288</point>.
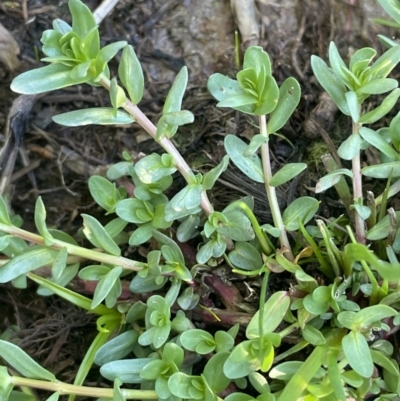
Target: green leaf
<point>105,285</point>
<point>350,147</point>
<point>214,374</point>
<point>241,362</point>
<point>300,380</point>
<point>237,227</point>
<point>386,105</point>
<point>131,74</point>
<point>211,176</point>
<point>98,236</point>
<point>394,130</point>
<point>383,170</point>
<point>22,362</point>
<point>40,222</point>
<point>173,102</point>
<point>354,107</point>
<point>289,97</point>
<point>59,264</point>
<point>286,173</point>
<point>199,341</point>
<point>365,56</point>
<point>255,57</point>
<point>378,86</point>
<point>98,115</point>
<point>331,83</point>
<point>371,314</point>
<point>152,168</point>
<point>337,64</point>
<point>245,256</point>
<point>4,215</point>
<point>178,118</point>
<point>36,257</point>
<point>107,53</point>
<point>302,209</point>
<point>83,21</point>
<point>104,193</point>
<point>312,335</point>
<point>127,370</point>
<point>356,350</point>
<point>45,79</point>
<point>376,140</point>
<point>382,67</point>
<point>117,348</point>
<point>392,8</point>
<point>117,96</point>
<point>251,166</point>
<point>185,202</point>
<point>274,311</point>
<point>329,180</point>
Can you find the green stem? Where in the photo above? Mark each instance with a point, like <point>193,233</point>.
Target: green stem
<point>75,250</point>
<point>262,238</point>
<point>271,193</point>
<point>263,295</point>
<point>289,329</point>
<point>64,388</point>
<point>166,144</point>
<point>357,192</point>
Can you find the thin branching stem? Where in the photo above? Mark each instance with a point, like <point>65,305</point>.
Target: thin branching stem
<point>65,388</point>
<point>357,192</point>
<point>166,144</point>
<point>271,192</point>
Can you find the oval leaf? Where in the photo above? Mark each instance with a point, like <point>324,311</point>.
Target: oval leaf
<point>302,209</point>
<point>286,173</point>
<point>98,115</point>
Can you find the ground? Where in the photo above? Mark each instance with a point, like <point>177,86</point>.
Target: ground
<point>58,161</point>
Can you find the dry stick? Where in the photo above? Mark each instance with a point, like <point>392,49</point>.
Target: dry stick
<point>271,193</point>
<point>166,144</point>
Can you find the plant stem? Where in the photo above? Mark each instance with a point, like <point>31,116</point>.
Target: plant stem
<point>166,144</point>
<point>91,254</point>
<point>271,193</point>
<point>64,388</point>
<point>357,192</point>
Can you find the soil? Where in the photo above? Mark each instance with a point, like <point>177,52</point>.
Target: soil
<point>55,162</point>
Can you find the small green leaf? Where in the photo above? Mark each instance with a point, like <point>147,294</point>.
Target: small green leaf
<point>40,222</point>
<point>4,215</point>
<point>337,64</point>
<point>385,106</point>
<point>255,57</point>
<point>104,192</point>
<point>211,176</point>
<point>22,362</point>
<point>350,147</point>
<point>245,256</point>
<point>173,102</point>
<point>378,86</point>
<point>36,257</point>
<point>107,53</point>
<point>178,118</point>
<point>214,374</point>
<point>105,285</point>
<point>131,74</point>
<point>251,166</point>
<point>394,130</point>
<point>152,168</point>
<point>312,335</point>
<point>98,115</point>
<point>98,236</point>
<point>356,350</point>
<point>274,312</point>
<point>380,359</point>
<point>237,226</point>
<point>371,314</point>
<point>199,341</point>
<point>59,264</point>
<point>286,173</point>
<point>331,83</point>
<point>185,202</point>
<point>117,348</point>
<point>376,140</point>
<point>354,107</point>
<point>382,67</point>
<point>302,209</point>
<point>45,79</point>
<point>329,180</point>
<point>383,170</point>
<point>127,370</point>
<point>117,96</point>
<point>289,97</point>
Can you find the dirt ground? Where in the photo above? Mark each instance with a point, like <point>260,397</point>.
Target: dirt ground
<point>56,161</point>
